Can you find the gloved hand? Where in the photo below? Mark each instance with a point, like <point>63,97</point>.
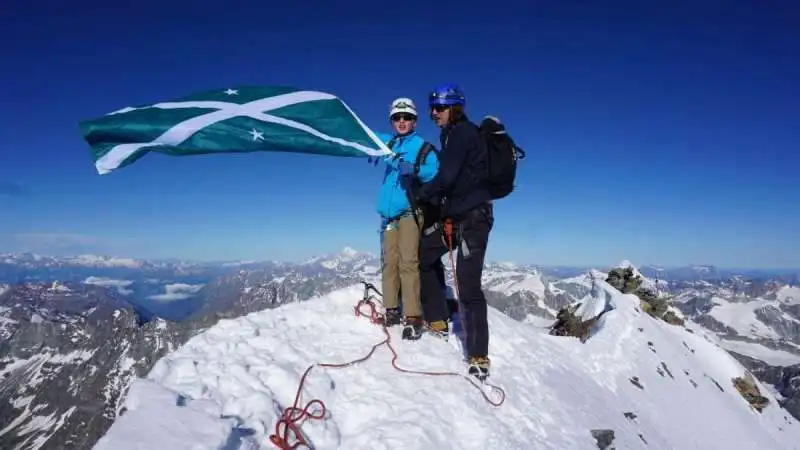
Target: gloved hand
<point>405,168</point>
<point>394,160</point>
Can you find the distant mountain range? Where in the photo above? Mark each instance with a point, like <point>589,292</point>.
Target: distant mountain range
<point>175,289</point>
<point>164,288</point>
<point>75,330</point>
<point>709,273</point>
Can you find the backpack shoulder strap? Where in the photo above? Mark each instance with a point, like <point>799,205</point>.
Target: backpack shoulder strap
<point>427,147</point>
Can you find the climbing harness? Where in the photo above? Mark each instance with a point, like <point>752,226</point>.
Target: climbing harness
<point>290,420</point>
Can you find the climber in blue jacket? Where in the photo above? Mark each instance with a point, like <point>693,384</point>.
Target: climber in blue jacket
<point>400,221</point>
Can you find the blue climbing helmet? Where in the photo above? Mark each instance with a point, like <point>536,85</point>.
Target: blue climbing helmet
<point>447,95</point>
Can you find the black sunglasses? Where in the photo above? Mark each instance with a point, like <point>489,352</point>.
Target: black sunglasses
<point>440,108</point>
<point>403,116</point>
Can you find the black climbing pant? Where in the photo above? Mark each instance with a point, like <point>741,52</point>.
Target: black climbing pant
<point>469,240</point>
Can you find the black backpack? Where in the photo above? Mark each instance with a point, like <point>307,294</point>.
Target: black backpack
<point>502,156</point>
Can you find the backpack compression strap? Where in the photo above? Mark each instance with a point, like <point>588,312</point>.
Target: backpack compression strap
<point>412,198</point>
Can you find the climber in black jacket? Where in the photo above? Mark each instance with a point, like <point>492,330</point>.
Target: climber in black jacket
<point>465,204</point>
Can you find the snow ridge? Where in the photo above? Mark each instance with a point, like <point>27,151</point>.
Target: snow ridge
<point>657,386</point>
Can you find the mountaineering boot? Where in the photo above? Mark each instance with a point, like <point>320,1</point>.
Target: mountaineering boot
<point>412,330</point>
<point>479,367</point>
<point>392,317</point>
<point>439,328</point>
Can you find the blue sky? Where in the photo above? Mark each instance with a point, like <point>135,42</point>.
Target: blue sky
<point>664,135</point>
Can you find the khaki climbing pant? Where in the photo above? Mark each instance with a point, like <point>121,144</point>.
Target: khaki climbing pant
<point>400,271</point>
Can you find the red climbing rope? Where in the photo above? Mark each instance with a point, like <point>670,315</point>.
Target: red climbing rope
<point>292,417</point>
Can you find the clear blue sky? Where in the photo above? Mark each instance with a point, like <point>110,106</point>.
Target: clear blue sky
<point>666,135</point>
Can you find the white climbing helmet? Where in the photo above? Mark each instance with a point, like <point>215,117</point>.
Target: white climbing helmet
<point>403,105</point>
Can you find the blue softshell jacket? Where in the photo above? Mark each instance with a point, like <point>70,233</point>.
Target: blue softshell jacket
<point>392,199</point>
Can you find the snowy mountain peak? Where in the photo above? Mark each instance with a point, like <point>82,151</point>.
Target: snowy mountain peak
<point>648,283</point>
<point>94,260</point>
<point>787,294</point>
<point>349,252</point>
<point>626,264</point>
<point>347,259</point>
<point>636,378</point>
<point>702,268</point>
<point>507,265</point>
<point>595,274</point>
<point>85,260</point>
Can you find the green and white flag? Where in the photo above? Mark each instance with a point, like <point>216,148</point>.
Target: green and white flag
<point>234,120</point>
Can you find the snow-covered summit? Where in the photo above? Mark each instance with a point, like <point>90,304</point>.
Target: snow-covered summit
<point>349,252</point>
<point>654,285</point>
<point>637,380</point>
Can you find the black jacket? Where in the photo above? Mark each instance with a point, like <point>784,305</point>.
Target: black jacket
<point>458,185</point>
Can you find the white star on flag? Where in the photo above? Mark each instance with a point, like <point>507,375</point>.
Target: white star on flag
<point>232,92</point>
<point>257,135</point>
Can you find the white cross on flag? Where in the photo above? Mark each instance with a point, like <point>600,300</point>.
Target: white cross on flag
<point>233,120</point>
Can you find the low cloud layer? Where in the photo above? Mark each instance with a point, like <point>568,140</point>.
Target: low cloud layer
<point>177,291</point>
<point>120,285</point>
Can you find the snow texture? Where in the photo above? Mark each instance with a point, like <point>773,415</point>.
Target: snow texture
<point>154,420</point>
<point>760,352</point>
<point>789,294</point>
<point>596,302</point>
<point>226,388</point>
<point>742,317</point>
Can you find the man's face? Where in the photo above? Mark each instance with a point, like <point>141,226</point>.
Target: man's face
<point>403,123</point>
<point>440,115</point>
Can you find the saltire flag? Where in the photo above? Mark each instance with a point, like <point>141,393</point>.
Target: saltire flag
<point>235,120</point>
